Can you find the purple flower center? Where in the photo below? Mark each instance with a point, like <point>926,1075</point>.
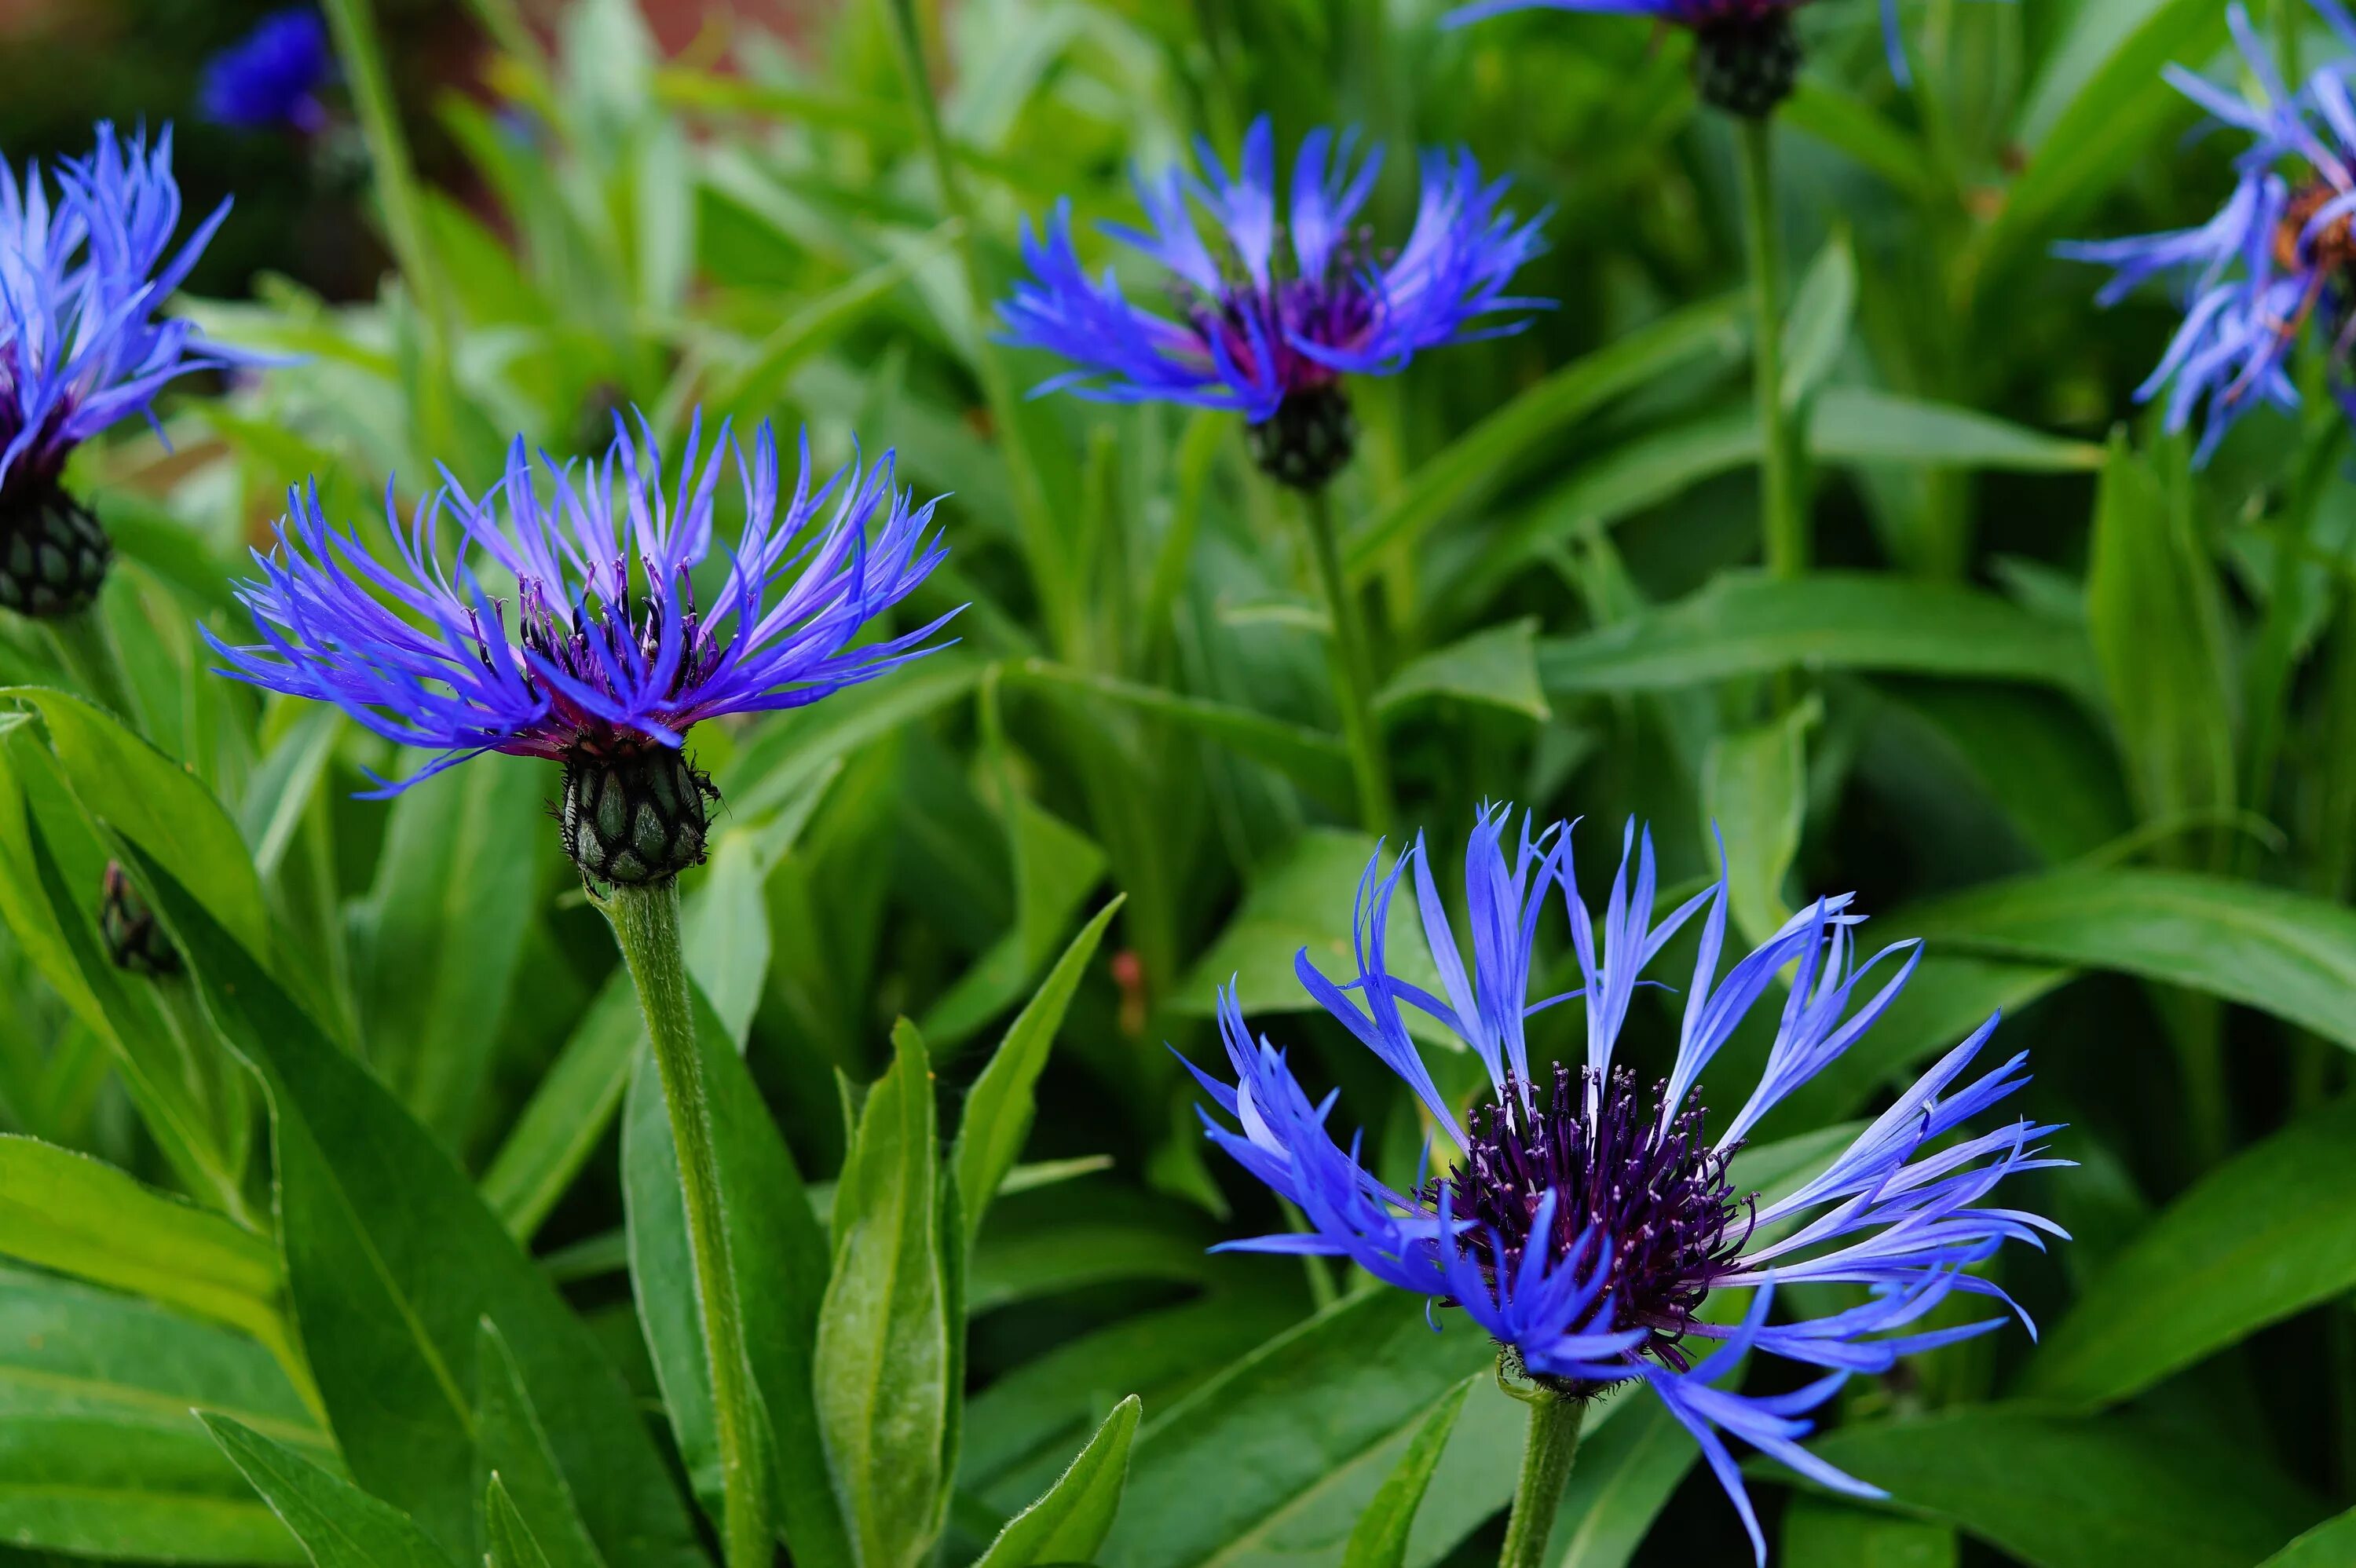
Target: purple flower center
<point>588,647</point>
<point>1337,311</point>
<point>1660,1196</point>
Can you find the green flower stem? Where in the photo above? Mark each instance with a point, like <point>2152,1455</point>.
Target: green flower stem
<point>1547,1455</point>
<point>646,925</point>
<point>1783,525</point>
<point>1353,669</point>
<point>87,650</point>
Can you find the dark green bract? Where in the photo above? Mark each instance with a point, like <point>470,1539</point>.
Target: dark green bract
<point>638,818</point>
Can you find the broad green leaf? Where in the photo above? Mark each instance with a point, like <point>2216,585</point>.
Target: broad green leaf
<point>884,1345</point>
<point>1865,424</point>
<point>568,1114</point>
<point>2152,610</point>
<point>511,1544</point>
<point>999,1109</point>
<point>518,1464</point>
<point>66,1212</point>
<point>1304,900</point>
<point>1308,1425</point>
<point>1701,334</point>
<point>2280,952</point>
<point>1824,1533</point>
<point>1063,1249</point>
<point>1817,329</point>
<point>780,1254</point>
<point>1746,624</point>
<point>751,388</point>
<point>435,943</point>
<point>1754,801</point>
<point>2264,1236</point>
<point>1497,666</point>
<point>1624,1476</point>
<point>2330,1544</point>
<point>1381,1536</point>
<point>788,757</point>
<point>1071,1521</point>
<point>2058,1491</point>
<point>100,1454</point>
<point>340,1525</point>
<point>392,1260</point>
<point>1315,761</point>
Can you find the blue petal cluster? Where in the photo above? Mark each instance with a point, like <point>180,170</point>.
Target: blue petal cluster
<point>1253,320</point>
<point>82,274</point>
<point>2275,258</point>
<point>272,76</point>
<point>1593,1276</point>
<point>1696,14</point>
<point>565,623</point>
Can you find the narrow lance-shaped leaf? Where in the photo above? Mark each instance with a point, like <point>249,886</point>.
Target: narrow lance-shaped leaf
<point>1381,1536</point>
<point>339,1525</point>
<point>1071,1521</point>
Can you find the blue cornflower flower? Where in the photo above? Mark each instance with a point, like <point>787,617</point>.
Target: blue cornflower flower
<point>272,76</point>
<point>1269,328</point>
<point>606,661</point>
<point>1747,53</point>
<point>1581,1226</point>
<point>82,274</point>
<point>2279,254</point>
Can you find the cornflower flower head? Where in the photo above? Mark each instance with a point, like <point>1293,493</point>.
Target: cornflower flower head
<point>271,77</point>
<point>2278,257</point>
<point>1268,316</point>
<point>1586,1219</point>
<point>563,623</point>
<point>83,271</point>
<point>1746,52</point>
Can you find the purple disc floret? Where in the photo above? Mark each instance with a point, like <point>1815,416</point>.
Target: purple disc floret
<point>1587,1222</point>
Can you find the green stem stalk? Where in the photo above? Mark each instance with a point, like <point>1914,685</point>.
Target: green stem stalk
<point>87,650</point>
<point>1354,670</point>
<point>646,925</point>
<point>1547,1455</point>
<point>1784,527</point>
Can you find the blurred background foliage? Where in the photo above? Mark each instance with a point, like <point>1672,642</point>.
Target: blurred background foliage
<point>2083,718</point>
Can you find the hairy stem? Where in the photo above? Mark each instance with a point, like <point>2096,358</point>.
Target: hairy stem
<point>646,925</point>
<point>1784,526</point>
<point>1547,1455</point>
<point>1354,670</point>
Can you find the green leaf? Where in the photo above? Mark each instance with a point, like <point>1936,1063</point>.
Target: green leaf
<point>884,1348</point>
<point>1055,866</point>
<point>780,1255</point>
<point>999,1109</point>
<point>1317,761</point>
<point>340,1525</point>
<point>1625,1475</point>
<point>1754,800</point>
<point>1817,330</point>
<point>436,941</point>
<point>2330,1544</point>
<point>511,1541</point>
<point>1711,331</point>
<point>66,1212</point>
<point>1302,901</point>
<point>1496,666</point>
<point>1823,1533</point>
<point>2264,1236</point>
<point>1746,624</point>
<point>2280,952</point>
<point>518,1464</point>
<point>1308,1425</point>
<point>1840,121</point>
<point>1865,424</point>
<point>1381,1536</point>
<point>100,1454</point>
<point>392,1260</point>
<point>2157,630</point>
<point>2058,1491</point>
<point>1071,1521</point>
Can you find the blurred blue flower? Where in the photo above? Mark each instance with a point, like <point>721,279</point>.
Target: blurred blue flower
<point>1729,23</point>
<point>272,76</point>
<point>602,650</point>
<point>1583,1225</point>
<point>2278,256</point>
<point>1256,321</point>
